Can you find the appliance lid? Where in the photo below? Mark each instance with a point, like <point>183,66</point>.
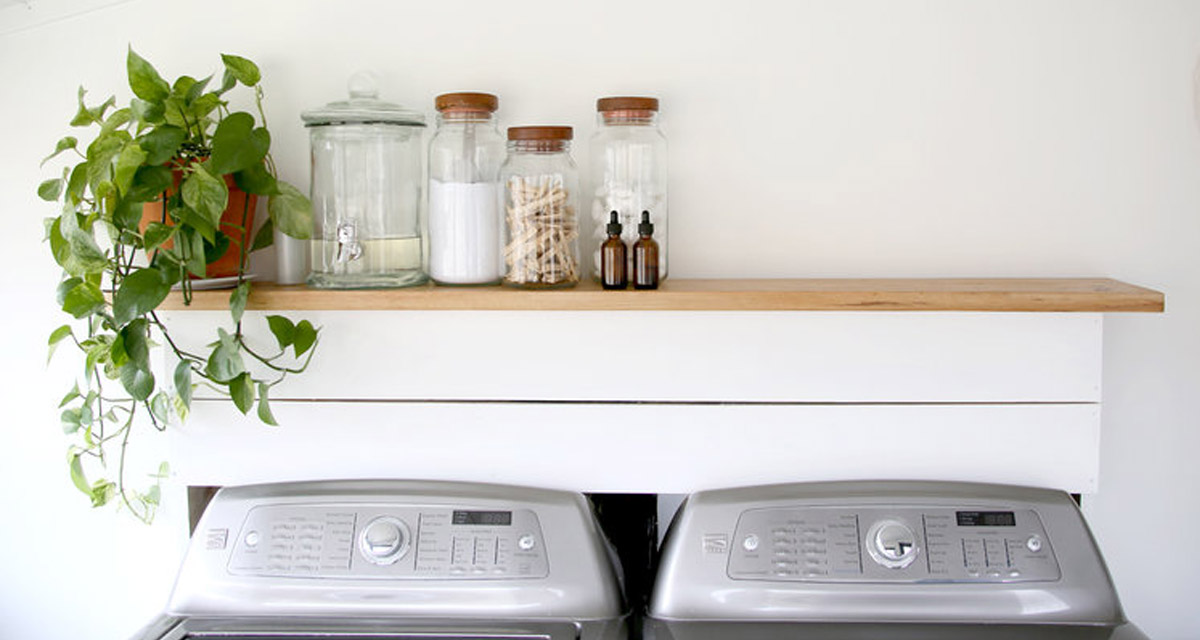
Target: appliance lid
<point>893,631</point>
<point>350,628</point>
<point>363,107</point>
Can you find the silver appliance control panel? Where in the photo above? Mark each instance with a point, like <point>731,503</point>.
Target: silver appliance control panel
<point>389,541</point>
<point>915,544</point>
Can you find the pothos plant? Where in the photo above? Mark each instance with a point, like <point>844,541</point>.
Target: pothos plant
<point>141,212</point>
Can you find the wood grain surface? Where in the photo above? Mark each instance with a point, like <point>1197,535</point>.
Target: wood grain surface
<point>825,294</point>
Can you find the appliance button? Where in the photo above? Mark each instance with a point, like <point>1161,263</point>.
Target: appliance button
<point>750,542</point>
<point>252,539</point>
<point>1034,543</point>
<point>892,544</point>
<point>993,573</point>
<point>526,542</point>
<point>384,540</point>
<point>1014,574</point>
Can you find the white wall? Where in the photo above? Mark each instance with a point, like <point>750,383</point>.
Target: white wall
<point>874,138</point>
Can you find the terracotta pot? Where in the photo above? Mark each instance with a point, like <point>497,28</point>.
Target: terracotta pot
<point>227,265</point>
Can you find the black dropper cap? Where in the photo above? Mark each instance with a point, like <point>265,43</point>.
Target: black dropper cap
<point>614,226</point>
<point>645,227</point>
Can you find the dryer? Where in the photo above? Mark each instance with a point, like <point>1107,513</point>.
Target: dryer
<point>883,561</point>
<point>395,559</point>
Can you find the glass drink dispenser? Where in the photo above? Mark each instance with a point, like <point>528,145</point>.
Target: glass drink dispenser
<point>367,159</point>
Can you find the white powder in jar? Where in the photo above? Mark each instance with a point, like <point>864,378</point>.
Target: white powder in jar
<point>464,232</point>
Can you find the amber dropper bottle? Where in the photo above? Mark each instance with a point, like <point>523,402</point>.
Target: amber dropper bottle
<point>645,256</point>
<point>612,257</point>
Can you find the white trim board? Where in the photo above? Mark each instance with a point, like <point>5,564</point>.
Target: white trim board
<point>653,448</point>
<point>680,356</point>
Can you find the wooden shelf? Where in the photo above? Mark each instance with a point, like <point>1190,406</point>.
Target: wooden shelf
<point>872,294</point>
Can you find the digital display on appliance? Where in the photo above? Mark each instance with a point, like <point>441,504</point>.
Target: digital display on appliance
<point>987,519</point>
<point>494,518</point>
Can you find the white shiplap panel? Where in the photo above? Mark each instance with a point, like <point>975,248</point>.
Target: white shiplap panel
<point>692,356</point>
<point>642,447</point>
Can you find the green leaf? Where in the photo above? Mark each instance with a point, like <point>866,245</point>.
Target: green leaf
<point>127,216</point>
<point>57,336</point>
<point>204,105</point>
<point>98,350</point>
<point>149,184</point>
<point>86,116</point>
<point>136,338</point>
<point>237,145</point>
<point>242,69</point>
<point>237,301</point>
<point>100,155</point>
<point>116,352</point>
<point>128,162</point>
<point>77,477</point>
<point>241,389</point>
<point>181,409</point>
<point>193,243</point>
<point>82,116</point>
<point>156,234</point>
<point>71,395</point>
<point>77,184</point>
<point>83,300</point>
<point>50,190</point>
<point>162,143</point>
<point>175,113</point>
<point>183,86</point>
<point>265,236</point>
<point>206,194</point>
<point>86,255</point>
<point>118,119</point>
<point>64,287</point>
<point>167,262</point>
<point>102,491</point>
<point>183,382</point>
<point>283,329</point>
<point>264,406</point>
<point>225,362</point>
<point>138,382</point>
<point>153,495</point>
<point>257,180</point>
<point>64,144</point>
<point>71,420</point>
<point>227,82</point>
<point>291,212</point>
<point>197,89</point>
<point>58,245</point>
<point>199,229</point>
<point>140,293</point>
<point>306,335</point>
<point>144,79</point>
<point>160,407</point>
<point>215,249</point>
<point>150,113</point>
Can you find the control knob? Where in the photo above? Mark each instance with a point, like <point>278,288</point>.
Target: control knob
<point>384,540</point>
<point>892,544</point>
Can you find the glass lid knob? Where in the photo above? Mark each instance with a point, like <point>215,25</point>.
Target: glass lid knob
<point>364,85</point>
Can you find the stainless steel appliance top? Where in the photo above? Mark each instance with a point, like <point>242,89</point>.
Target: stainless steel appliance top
<point>397,549</point>
<point>881,552</point>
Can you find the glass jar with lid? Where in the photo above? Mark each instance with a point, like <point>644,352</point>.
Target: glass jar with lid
<point>465,192</point>
<point>628,156</point>
<point>367,176</point>
<point>542,232</point>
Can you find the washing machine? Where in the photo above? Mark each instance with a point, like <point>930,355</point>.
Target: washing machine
<point>883,561</point>
<point>353,560</point>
